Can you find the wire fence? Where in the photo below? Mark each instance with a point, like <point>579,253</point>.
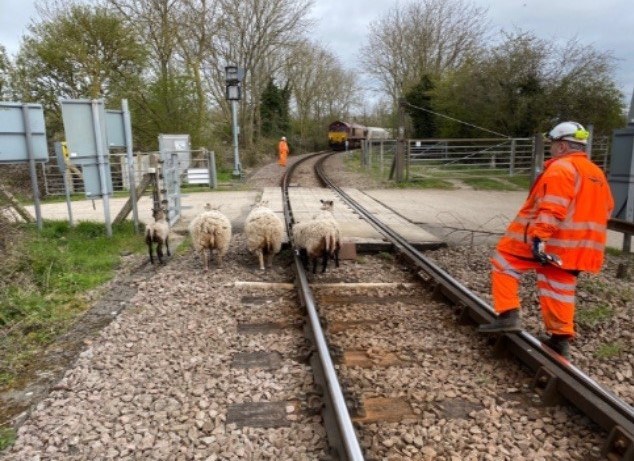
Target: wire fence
<point>455,159</point>
<point>196,167</point>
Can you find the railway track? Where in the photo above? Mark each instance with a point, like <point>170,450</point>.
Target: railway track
<point>375,360</point>
<point>554,377</point>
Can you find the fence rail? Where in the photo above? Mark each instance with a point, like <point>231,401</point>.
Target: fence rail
<point>465,158</point>
<point>55,177</point>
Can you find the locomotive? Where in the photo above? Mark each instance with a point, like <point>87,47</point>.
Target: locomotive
<point>339,132</point>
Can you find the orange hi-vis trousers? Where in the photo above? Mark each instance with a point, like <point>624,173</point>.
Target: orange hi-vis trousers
<point>556,290</point>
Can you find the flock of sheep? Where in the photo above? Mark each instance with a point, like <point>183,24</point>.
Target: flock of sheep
<point>210,231</point>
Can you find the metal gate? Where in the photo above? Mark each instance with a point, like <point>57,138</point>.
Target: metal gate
<point>171,185</point>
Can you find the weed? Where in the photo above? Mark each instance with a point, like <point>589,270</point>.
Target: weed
<point>7,437</point>
<point>608,350</point>
<point>45,293</point>
<point>591,317</point>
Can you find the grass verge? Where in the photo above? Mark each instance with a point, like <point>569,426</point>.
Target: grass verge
<point>44,280</point>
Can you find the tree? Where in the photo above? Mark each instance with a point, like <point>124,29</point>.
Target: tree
<point>422,37</point>
<point>257,36</point>
<point>80,52</point>
<point>5,75</point>
<point>525,84</point>
<point>322,91</point>
<point>419,99</point>
<point>274,110</point>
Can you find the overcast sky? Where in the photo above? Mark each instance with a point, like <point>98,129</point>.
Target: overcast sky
<point>341,25</point>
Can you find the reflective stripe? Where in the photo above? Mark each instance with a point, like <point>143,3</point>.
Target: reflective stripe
<point>559,297</point>
<point>558,285</point>
<point>547,219</point>
<point>576,244</point>
<point>568,165</point>
<point>588,225</point>
<point>557,200</point>
<point>506,267</point>
<point>515,236</point>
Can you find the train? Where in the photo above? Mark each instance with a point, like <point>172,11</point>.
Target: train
<point>339,132</point>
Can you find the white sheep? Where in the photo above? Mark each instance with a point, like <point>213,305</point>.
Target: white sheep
<point>315,239</point>
<point>210,231</point>
<point>158,233</point>
<point>327,213</point>
<point>264,231</point>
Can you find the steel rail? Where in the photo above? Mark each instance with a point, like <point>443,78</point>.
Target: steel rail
<point>339,427</point>
<point>555,376</point>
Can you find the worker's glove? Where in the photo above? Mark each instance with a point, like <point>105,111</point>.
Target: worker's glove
<point>539,250</point>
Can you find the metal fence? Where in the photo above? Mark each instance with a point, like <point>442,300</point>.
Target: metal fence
<point>465,158</point>
<point>200,171</point>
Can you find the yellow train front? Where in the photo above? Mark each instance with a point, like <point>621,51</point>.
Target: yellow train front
<point>340,132</point>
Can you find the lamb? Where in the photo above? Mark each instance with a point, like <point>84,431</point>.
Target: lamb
<point>158,232</point>
<point>315,239</point>
<point>210,230</point>
<point>264,231</point>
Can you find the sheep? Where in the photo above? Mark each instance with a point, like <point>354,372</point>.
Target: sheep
<point>264,231</point>
<point>158,232</point>
<point>327,213</point>
<point>314,239</point>
<point>210,230</point>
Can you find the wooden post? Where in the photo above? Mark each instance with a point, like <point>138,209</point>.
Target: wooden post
<point>127,207</point>
<point>16,205</point>
<point>538,157</point>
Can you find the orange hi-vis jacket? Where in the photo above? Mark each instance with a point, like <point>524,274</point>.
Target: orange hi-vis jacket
<point>568,208</point>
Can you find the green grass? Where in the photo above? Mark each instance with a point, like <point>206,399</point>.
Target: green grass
<point>488,184</point>
<point>7,437</point>
<point>425,183</point>
<point>594,316</point>
<point>44,284</point>
<point>609,350</point>
<point>521,181</point>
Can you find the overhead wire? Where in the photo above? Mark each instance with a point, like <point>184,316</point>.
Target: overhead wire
<point>456,120</point>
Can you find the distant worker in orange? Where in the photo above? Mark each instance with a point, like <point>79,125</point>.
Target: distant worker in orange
<point>559,231</point>
<point>282,149</point>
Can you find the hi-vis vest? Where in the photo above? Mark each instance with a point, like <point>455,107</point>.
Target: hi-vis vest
<point>568,207</point>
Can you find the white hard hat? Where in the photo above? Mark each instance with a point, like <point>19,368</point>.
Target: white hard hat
<point>283,138</point>
<point>569,131</point>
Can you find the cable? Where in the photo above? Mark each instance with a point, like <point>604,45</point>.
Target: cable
<point>456,120</point>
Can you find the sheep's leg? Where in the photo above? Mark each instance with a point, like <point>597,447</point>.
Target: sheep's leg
<point>269,260</point>
<point>205,259</point>
<point>260,258</point>
<point>324,261</point>
<point>337,248</point>
<point>159,251</point>
<point>167,245</point>
<point>149,247</point>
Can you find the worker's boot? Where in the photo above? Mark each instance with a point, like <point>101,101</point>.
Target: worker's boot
<point>508,321</point>
<point>558,343</point>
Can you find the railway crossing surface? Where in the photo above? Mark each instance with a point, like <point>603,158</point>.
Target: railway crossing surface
<point>427,217</point>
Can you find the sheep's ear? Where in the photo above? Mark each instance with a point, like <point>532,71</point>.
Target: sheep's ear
<point>321,200</point>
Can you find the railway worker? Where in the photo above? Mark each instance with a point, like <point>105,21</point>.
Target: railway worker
<point>559,231</point>
<point>282,150</point>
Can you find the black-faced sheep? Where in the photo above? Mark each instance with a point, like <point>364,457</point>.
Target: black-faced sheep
<point>317,239</point>
<point>264,231</point>
<point>158,233</point>
<point>210,231</point>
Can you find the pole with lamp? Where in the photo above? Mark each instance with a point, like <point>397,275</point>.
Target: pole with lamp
<point>233,78</point>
